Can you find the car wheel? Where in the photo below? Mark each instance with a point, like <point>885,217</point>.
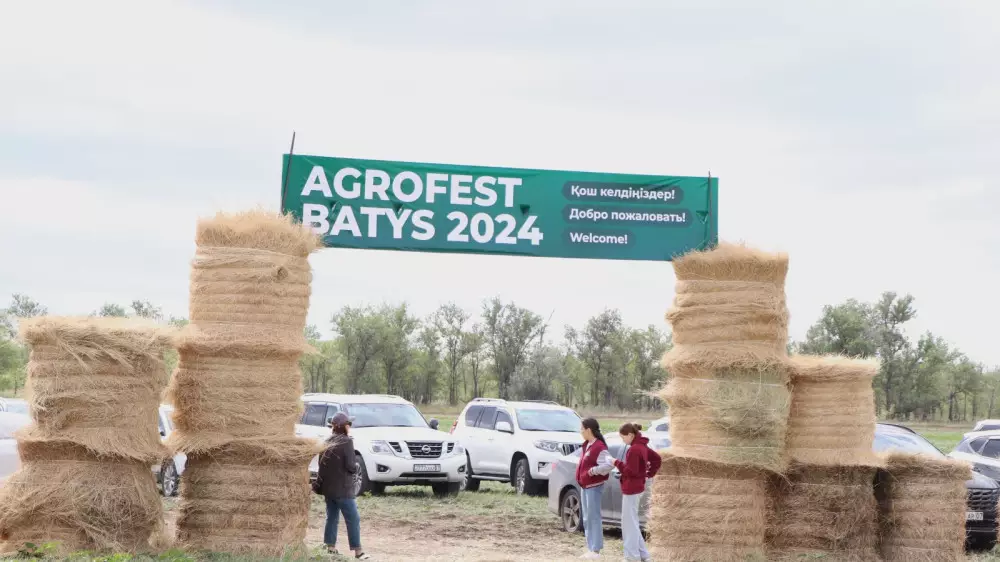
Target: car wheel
<point>524,484</point>
<point>446,489</point>
<point>571,511</point>
<point>169,479</point>
<point>361,482</point>
<point>376,488</point>
<point>469,484</point>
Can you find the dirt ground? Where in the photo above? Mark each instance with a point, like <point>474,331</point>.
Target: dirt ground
<point>491,525</point>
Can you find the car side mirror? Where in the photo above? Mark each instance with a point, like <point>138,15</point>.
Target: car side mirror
<point>434,423</point>
<point>504,427</point>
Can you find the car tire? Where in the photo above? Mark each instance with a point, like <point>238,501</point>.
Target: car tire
<point>470,484</point>
<point>376,488</point>
<point>361,482</point>
<point>169,479</point>
<point>521,478</point>
<point>571,511</point>
<point>446,489</point>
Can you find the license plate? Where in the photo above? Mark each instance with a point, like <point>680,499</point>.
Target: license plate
<point>973,515</point>
<point>437,468</point>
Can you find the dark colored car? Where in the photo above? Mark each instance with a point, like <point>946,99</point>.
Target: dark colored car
<point>984,492</point>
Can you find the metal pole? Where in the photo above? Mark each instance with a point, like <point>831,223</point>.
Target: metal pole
<point>288,172</point>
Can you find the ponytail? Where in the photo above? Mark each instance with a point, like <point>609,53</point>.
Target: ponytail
<point>595,428</point>
<point>630,428</point>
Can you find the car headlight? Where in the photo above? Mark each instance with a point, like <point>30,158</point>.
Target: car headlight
<point>458,450</point>
<point>382,448</point>
<point>550,446</point>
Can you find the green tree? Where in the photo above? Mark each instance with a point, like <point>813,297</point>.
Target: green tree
<point>146,309</point>
<point>598,346</point>
<point>450,322</point>
<point>476,359</point>
<point>430,368</point>
<point>845,329</point>
<point>358,332</point>
<point>396,329</point>
<point>646,348</point>
<point>508,331</point>
<point>111,310</point>
<point>889,314</point>
<point>21,306</point>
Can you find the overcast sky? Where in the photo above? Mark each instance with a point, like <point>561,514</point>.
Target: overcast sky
<point>860,137</point>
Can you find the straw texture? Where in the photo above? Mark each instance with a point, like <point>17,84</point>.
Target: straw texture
<point>730,294</point>
<point>703,511</point>
<point>735,415</point>
<point>824,511</point>
<point>923,502</point>
<point>245,500</point>
<point>832,418</point>
<point>65,493</point>
<point>237,386</point>
<point>94,387</point>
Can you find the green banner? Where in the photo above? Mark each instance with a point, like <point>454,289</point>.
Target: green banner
<point>474,209</point>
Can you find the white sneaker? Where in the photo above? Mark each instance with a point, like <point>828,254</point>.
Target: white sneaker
<point>589,555</point>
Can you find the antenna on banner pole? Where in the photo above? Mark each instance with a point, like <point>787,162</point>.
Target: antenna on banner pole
<point>288,172</point>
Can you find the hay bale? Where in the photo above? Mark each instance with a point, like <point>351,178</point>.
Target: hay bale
<point>730,299</point>
<point>219,400</point>
<point>65,493</point>
<point>251,270</point>
<point>247,499</point>
<point>96,382</point>
<point>922,503</point>
<point>832,418</point>
<point>703,511</point>
<point>734,413</point>
<point>824,511</point>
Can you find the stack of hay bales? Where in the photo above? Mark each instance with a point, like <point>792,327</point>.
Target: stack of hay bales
<point>237,387</point>
<point>729,402</point>
<point>923,504</point>
<point>85,481</point>
<point>825,503</point>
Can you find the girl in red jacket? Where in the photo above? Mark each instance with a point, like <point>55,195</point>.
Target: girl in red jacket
<point>592,472</point>
<point>640,463</point>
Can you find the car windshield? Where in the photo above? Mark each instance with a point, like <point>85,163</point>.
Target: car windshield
<point>17,407</point>
<point>899,440</point>
<point>548,420</point>
<point>989,426</point>
<point>384,415</point>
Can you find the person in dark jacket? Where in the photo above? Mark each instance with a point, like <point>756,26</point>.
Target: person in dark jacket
<point>337,469</point>
<point>592,472</point>
<point>640,463</point>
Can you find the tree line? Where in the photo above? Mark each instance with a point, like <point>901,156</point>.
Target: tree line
<point>504,350</point>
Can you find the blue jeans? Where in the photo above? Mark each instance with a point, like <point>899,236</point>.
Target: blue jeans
<point>593,524</point>
<point>349,507</point>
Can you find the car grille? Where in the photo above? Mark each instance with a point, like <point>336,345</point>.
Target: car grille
<point>424,449</point>
<point>569,448</point>
<point>981,499</point>
<point>451,447</point>
<point>395,446</point>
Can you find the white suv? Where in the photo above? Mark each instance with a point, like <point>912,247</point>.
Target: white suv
<point>394,443</point>
<point>515,442</point>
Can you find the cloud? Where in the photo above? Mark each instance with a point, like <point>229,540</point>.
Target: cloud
<point>858,137</point>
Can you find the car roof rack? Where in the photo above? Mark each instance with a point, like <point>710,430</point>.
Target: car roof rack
<point>550,402</point>
<point>490,400</point>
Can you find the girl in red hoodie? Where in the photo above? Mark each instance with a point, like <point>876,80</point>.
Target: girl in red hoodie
<point>640,463</point>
